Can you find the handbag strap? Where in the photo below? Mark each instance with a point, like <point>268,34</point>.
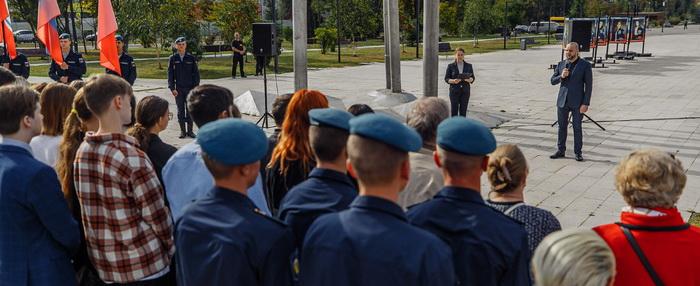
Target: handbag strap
<point>647,265</point>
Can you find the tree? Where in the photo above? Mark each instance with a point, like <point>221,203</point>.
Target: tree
<point>359,19</point>
<point>235,16</point>
<point>479,19</point>
<point>449,23</point>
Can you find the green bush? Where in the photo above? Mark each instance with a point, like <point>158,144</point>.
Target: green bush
<point>674,20</point>
<point>327,38</point>
<point>288,34</point>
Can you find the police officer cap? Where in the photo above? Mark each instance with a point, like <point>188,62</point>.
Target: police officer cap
<point>64,36</point>
<point>465,136</point>
<point>180,40</point>
<point>119,38</point>
<point>330,117</point>
<point>233,141</point>
<point>386,130</point>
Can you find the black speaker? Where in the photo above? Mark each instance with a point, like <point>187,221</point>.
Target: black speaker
<point>580,32</point>
<point>264,39</point>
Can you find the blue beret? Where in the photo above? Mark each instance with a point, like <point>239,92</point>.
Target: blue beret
<point>64,36</point>
<point>330,117</point>
<point>233,141</point>
<point>119,38</point>
<point>387,130</point>
<point>465,136</point>
<point>180,40</point>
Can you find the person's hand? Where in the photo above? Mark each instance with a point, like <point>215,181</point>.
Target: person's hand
<point>584,108</point>
<point>64,66</point>
<point>565,73</point>
<point>470,80</point>
<point>6,65</point>
<point>174,92</point>
<point>64,79</point>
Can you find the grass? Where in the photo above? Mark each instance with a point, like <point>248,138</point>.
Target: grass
<point>220,67</point>
<point>694,219</point>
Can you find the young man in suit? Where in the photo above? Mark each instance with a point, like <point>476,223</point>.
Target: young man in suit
<point>37,232</point>
<point>575,77</point>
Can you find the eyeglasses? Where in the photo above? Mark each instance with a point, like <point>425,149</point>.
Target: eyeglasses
<point>170,116</point>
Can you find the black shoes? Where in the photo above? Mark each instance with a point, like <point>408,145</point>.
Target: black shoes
<point>190,131</point>
<point>183,135</point>
<point>560,154</point>
<point>557,155</point>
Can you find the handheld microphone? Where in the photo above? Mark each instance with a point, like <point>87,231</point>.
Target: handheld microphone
<point>568,67</point>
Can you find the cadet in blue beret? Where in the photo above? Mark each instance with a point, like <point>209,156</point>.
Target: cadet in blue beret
<point>489,247</point>
<point>183,76</point>
<point>222,238</point>
<point>371,243</point>
<point>328,187</point>
<point>126,63</point>
<point>73,66</point>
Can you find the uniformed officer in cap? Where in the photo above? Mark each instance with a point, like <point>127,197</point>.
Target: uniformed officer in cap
<point>126,63</point>
<point>19,65</point>
<point>489,247</point>
<point>73,66</point>
<point>222,238</point>
<point>371,243</point>
<point>328,187</point>
<point>183,76</point>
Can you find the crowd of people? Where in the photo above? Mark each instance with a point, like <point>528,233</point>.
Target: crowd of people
<point>91,195</point>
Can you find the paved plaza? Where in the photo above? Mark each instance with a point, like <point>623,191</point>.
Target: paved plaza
<point>646,102</point>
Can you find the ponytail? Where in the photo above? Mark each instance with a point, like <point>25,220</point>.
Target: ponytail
<point>141,134</point>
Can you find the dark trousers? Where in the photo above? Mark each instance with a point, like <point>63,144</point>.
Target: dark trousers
<point>183,115</point>
<point>459,101</point>
<point>563,122</point>
<point>237,59</point>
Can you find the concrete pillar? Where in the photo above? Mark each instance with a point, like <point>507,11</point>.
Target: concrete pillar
<point>300,43</point>
<point>395,46</point>
<point>431,31</point>
<point>387,59</point>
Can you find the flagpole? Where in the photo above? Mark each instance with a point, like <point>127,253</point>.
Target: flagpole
<point>3,37</point>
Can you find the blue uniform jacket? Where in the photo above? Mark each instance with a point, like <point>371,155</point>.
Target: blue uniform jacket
<point>325,191</point>
<point>76,68</point>
<point>128,68</point>
<point>182,73</point>
<point>489,248</point>
<point>19,66</point>
<point>576,89</point>
<point>37,232</point>
<point>372,244</point>
<point>223,239</point>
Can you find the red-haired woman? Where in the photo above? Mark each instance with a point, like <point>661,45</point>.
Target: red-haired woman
<point>292,158</point>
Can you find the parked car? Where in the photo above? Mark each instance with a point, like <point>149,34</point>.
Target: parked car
<point>24,36</point>
<point>560,29</point>
<point>520,29</point>
<point>91,37</point>
<point>542,27</point>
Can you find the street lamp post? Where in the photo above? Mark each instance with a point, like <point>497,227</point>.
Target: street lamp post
<point>417,6</point>
<point>505,24</point>
<point>337,26</point>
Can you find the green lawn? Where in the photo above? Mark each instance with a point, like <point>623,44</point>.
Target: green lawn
<point>219,67</point>
<point>694,219</point>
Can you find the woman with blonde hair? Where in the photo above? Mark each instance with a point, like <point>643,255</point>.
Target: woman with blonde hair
<point>507,172</point>
<point>55,101</point>
<point>292,159</point>
<point>652,243</point>
<point>573,258</point>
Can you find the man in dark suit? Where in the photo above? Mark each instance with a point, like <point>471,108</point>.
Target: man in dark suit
<point>576,78</point>
<point>37,231</point>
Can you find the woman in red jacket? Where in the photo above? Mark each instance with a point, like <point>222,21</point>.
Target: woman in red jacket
<point>652,244</point>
